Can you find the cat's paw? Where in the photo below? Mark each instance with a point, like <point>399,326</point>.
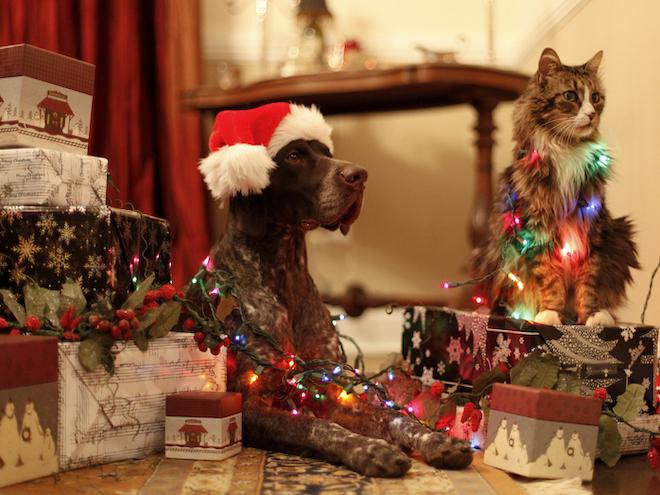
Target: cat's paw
<point>548,317</point>
<point>600,318</point>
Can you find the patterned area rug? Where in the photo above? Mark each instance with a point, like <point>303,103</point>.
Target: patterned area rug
<point>255,472</point>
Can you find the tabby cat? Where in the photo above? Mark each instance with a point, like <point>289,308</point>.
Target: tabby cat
<point>554,253</point>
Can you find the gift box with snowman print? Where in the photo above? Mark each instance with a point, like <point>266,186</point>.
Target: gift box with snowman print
<point>541,433</point>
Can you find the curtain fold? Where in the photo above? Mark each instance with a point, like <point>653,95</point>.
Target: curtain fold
<point>146,52</point>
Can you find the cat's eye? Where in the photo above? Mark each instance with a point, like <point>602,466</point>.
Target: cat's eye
<point>595,97</point>
<point>570,95</point>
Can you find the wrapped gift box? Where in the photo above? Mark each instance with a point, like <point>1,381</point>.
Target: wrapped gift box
<point>203,425</point>
<point>28,408</point>
<point>45,99</point>
<point>106,418</point>
<point>102,248</point>
<point>542,433</point>
<point>35,176</point>
<point>458,346</point>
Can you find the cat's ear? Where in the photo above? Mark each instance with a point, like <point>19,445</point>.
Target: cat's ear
<point>594,62</point>
<point>548,61</point>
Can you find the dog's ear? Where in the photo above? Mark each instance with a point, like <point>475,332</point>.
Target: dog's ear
<point>238,169</point>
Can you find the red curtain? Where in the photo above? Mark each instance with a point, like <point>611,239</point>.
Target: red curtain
<point>146,52</point>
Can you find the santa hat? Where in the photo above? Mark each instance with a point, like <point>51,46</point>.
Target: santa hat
<point>244,142</point>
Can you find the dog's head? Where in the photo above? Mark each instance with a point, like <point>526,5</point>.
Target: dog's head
<point>276,161</point>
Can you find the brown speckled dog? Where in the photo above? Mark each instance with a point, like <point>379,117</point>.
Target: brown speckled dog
<point>264,249</point>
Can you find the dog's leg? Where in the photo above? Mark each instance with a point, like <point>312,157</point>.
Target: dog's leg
<point>437,448</point>
<point>267,427</point>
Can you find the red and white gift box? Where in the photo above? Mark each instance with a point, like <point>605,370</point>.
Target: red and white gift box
<point>203,425</point>
<point>45,99</point>
<point>541,433</point>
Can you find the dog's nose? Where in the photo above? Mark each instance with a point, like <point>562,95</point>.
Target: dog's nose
<point>353,175</point>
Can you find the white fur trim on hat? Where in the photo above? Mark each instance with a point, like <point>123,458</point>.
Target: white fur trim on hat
<point>237,169</point>
<point>301,123</point>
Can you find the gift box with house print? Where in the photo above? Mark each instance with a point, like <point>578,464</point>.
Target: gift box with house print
<point>542,433</point>
<point>457,346</point>
<point>203,425</point>
<point>28,408</point>
<point>45,99</point>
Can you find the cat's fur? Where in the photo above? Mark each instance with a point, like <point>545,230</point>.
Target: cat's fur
<point>551,191</point>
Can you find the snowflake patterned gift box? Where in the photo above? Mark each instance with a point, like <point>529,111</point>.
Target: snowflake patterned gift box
<point>203,425</point>
<point>458,346</point>
<point>104,249</point>
<point>45,99</point>
<point>35,176</point>
<point>541,433</point>
<point>28,408</point>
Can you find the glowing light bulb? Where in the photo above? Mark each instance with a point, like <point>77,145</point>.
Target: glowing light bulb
<point>343,396</point>
<point>325,378</point>
<point>337,370</point>
<point>389,403</point>
<point>303,395</point>
<point>317,396</point>
<point>446,285</point>
<point>300,386</point>
<point>514,278</point>
<point>292,363</point>
<point>194,280</point>
<point>410,409</point>
<point>390,375</point>
<point>480,299</point>
<point>567,250</point>
<point>294,412</point>
<point>515,315</point>
<point>253,378</point>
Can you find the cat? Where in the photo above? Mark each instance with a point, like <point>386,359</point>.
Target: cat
<point>554,253</point>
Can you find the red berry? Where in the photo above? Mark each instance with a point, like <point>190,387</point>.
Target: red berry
<point>216,350</point>
<point>503,367</point>
<point>475,419</point>
<point>32,323</point>
<point>467,410</point>
<point>104,326</point>
<point>68,335</point>
<point>189,324</point>
<point>128,334</point>
<point>653,458</point>
<point>445,422</point>
<point>199,337</point>
<point>129,314</point>
<point>227,343</point>
<point>116,332</point>
<point>655,442</point>
<point>124,325</point>
<point>135,323</point>
<point>121,314</point>
<point>180,295</point>
<point>167,291</point>
<point>93,320</point>
<point>151,296</point>
<point>15,331</point>
<point>600,393</point>
<point>437,389</point>
<point>3,323</point>
<point>202,347</point>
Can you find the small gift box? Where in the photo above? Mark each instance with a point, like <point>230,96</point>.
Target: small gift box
<point>459,346</point>
<point>45,99</point>
<point>28,408</point>
<point>203,425</point>
<point>541,433</point>
<point>35,176</point>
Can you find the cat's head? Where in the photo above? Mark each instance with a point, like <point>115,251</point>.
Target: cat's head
<point>563,101</point>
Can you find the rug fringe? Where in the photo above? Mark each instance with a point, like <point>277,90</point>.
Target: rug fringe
<point>569,486</point>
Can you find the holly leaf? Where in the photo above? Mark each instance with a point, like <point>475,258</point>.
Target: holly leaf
<point>609,440</point>
<point>150,318</point>
<point>168,317</point>
<point>14,306</point>
<point>568,381</point>
<point>486,379</point>
<point>72,295</point>
<point>136,299</point>
<point>630,402</point>
<point>90,353</point>
<point>140,338</point>
<point>536,370</point>
<point>42,302</point>
<point>226,306</point>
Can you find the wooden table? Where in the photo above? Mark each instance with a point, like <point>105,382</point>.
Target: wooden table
<point>401,88</point>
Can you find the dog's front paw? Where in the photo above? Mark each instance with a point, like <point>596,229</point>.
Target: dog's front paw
<point>600,318</point>
<point>379,458</point>
<point>444,452</point>
<point>548,317</point>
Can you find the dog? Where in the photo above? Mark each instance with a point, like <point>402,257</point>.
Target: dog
<point>263,249</point>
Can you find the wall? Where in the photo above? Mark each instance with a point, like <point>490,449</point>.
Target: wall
<point>412,233</point>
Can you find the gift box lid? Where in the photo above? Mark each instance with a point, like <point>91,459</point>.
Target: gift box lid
<point>27,360</point>
<point>44,65</point>
<point>545,404</point>
<point>203,404</point>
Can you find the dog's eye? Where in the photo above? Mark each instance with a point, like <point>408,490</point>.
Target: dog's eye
<point>294,157</point>
<point>570,95</point>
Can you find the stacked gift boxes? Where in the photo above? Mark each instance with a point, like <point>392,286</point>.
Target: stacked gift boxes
<point>457,347</point>
<point>55,226</point>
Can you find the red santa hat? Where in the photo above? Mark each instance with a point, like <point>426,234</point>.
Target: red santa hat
<point>244,142</point>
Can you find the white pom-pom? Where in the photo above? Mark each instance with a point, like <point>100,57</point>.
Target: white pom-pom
<point>238,169</point>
